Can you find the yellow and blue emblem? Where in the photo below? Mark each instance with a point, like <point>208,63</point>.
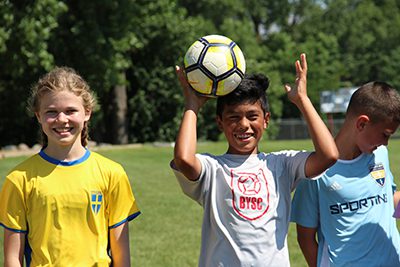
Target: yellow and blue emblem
<point>95,201</point>
<point>377,172</point>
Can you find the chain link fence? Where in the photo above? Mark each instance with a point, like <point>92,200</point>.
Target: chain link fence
<point>290,129</point>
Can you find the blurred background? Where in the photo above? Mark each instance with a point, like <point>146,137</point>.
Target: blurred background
<point>127,50</point>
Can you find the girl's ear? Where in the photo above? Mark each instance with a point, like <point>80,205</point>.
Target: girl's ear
<point>266,119</point>
<point>361,122</point>
<point>88,114</point>
<point>37,115</point>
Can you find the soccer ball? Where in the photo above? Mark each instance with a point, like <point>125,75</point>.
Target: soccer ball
<point>214,65</point>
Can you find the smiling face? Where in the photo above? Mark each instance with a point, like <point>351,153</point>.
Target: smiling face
<point>243,125</point>
<point>62,117</point>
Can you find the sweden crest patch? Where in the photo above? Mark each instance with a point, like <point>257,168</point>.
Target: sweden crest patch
<point>377,172</point>
<point>95,201</point>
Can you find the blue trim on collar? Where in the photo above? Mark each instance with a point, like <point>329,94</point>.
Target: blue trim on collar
<point>64,163</point>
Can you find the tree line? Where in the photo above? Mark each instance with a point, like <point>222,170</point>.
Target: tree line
<point>127,50</point>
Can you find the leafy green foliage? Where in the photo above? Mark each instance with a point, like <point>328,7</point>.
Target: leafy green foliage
<point>133,46</point>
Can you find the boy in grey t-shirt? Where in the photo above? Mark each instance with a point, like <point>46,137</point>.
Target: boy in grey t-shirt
<point>246,193</point>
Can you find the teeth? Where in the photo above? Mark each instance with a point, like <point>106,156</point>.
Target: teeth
<point>63,130</point>
<point>243,136</point>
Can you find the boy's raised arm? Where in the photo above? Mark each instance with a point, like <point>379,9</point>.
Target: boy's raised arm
<point>186,141</point>
<point>326,152</point>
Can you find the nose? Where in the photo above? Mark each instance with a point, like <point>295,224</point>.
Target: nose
<point>244,123</point>
<point>62,117</point>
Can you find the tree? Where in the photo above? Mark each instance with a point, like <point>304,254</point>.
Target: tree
<point>96,38</point>
<point>25,30</point>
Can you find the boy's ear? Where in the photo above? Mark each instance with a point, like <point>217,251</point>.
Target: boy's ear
<point>266,119</point>
<point>362,121</point>
<point>219,123</point>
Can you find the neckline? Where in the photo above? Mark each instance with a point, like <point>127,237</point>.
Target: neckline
<point>64,163</point>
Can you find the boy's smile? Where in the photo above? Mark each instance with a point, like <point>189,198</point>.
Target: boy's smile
<point>243,125</point>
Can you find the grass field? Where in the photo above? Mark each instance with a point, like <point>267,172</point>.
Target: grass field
<point>167,233</point>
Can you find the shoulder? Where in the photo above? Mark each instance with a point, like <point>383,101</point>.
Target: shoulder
<point>103,159</point>
<point>29,164</point>
<point>104,162</point>
<point>25,170</point>
<point>210,158</point>
<point>286,154</point>
<point>381,150</point>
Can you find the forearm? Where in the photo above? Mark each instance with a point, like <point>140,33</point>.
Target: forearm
<point>326,152</point>
<point>11,262</point>
<point>13,248</point>
<point>310,252</point>
<point>119,241</point>
<point>186,145</point>
<point>322,139</point>
<point>186,141</point>
<point>306,237</point>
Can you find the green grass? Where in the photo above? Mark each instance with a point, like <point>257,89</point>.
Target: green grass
<point>167,233</point>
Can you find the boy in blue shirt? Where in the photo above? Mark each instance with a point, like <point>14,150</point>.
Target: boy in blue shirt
<point>344,218</point>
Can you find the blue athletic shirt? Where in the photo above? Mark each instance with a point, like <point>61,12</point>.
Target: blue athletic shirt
<point>351,205</point>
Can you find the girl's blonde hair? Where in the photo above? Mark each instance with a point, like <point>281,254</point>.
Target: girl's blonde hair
<point>63,79</point>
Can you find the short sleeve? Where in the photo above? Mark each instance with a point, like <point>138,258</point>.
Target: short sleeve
<point>196,190</point>
<point>122,205</point>
<point>12,208</point>
<point>305,204</point>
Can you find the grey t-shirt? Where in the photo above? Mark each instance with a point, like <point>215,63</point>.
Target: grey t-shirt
<point>246,201</point>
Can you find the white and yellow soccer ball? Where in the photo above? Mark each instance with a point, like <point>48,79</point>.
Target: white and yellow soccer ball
<point>214,65</point>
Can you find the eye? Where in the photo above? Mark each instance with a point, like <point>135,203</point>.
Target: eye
<point>233,117</point>
<point>71,111</point>
<point>51,112</point>
<point>253,117</point>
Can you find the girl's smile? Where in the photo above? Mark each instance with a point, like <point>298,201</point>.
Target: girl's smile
<point>62,117</point>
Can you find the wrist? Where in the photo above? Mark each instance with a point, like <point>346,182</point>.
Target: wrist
<point>302,101</point>
<point>194,108</point>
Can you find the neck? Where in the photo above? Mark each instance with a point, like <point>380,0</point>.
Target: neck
<point>346,143</point>
<point>65,153</point>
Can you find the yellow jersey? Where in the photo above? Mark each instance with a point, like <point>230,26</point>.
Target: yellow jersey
<point>67,208</point>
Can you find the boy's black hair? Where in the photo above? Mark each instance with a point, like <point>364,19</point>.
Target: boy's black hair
<point>252,89</point>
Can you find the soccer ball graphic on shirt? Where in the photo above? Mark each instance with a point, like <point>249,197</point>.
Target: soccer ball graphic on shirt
<point>214,65</point>
<point>249,185</point>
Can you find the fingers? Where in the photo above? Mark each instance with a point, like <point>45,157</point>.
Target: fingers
<point>303,62</point>
<point>301,66</point>
<point>179,72</point>
<point>181,76</point>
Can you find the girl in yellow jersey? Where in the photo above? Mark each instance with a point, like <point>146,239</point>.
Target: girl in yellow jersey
<point>66,205</point>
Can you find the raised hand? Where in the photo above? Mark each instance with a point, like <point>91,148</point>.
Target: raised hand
<point>192,99</point>
<point>300,89</point>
